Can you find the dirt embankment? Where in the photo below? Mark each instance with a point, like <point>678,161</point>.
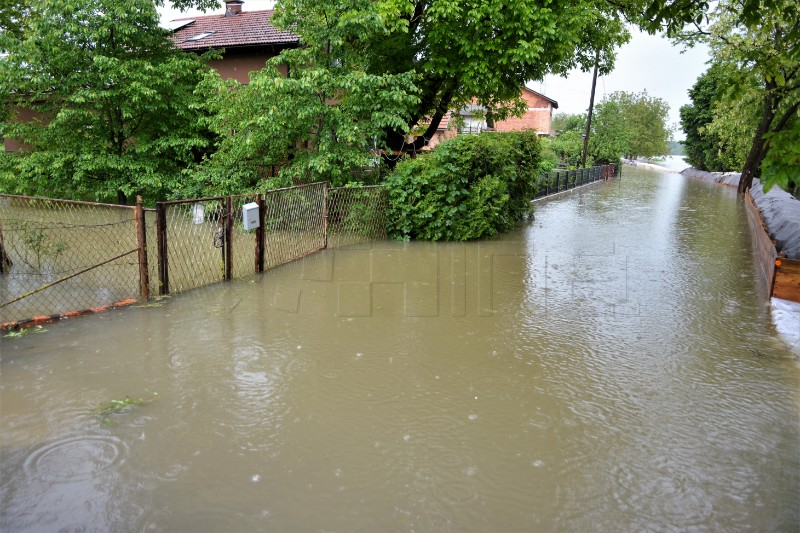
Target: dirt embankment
<point>780,210</point>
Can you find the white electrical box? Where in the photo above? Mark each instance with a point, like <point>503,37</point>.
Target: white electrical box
<point>198,213</point>
<point>250,216</point>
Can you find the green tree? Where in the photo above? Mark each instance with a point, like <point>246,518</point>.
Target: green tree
<point>719,128</point>
<point>487,50</point>
<point>630,124</point>
<point>117,113</point>
<point>611,134</point>
<point>568,146</point>
<point>759,50</point>
<point>646,120</point>
<point>564,122</point>
<point>326,119</point>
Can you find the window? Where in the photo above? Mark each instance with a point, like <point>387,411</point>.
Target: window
<point>201,36</point>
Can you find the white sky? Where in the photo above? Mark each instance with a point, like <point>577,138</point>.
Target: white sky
<point>647,62</point>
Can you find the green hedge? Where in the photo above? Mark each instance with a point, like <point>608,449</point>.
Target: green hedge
<point>470,187</point>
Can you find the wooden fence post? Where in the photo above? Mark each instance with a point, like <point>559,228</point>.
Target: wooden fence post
<point>161,235</point>
<point>141,241</point>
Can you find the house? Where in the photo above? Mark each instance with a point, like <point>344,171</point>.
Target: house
<point>538,115</point>
<point>472,119</point>
<point>248,38</point>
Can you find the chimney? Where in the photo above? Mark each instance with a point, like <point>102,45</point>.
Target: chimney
<point>232,7</point>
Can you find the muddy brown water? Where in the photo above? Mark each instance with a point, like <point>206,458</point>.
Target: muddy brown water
<point>606,367</point>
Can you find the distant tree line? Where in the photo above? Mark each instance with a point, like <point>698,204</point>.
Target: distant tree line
<point>625,124</point>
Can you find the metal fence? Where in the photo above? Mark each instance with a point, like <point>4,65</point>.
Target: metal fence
<point>59,257</point>
<point>562,180</point>
<point>356,215</point>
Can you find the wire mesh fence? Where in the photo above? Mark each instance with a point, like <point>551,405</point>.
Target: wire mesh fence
<point>293,223</point>
<point>190,239</point>
<point>356,215</point>
<point>57,256</point>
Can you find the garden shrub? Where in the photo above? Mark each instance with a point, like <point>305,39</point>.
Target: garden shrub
<point>470,187</point>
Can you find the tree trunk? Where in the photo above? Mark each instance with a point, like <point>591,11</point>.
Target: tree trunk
<point>752,166</point>
<point>122,199</point>
<point>396,140</point>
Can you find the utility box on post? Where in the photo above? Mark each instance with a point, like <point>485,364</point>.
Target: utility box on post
<point>250,216</point>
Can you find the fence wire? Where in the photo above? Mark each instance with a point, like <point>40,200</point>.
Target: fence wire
<point>243,254</point>
<point>293,223</point>
<point>61,256</point>
<point>356,215</point>
<point>58,256</point>
<point>195,248</point>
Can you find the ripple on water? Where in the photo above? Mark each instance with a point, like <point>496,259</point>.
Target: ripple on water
<point>670,496</point>
<point>75,458</point>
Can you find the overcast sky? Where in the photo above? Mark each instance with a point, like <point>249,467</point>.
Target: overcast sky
<point>647,62</point>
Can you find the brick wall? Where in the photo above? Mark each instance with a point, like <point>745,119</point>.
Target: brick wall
<point>538,117</point>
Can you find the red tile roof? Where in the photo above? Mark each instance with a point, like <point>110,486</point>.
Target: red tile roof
<point>247,28</point>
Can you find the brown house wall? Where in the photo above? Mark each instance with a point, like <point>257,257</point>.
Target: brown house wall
<point>237,64</point>
<point>22,115</point>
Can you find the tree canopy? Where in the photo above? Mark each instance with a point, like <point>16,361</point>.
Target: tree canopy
<point>485,51</point>
<point>756,52</point>
<point>112,101</point>
<point>326,119</point>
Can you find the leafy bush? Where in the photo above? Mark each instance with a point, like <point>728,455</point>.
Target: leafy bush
<point>470,187</point>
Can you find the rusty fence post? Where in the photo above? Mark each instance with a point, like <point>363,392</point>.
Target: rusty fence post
<point>260,233</point>
<point>161,235</point>
<point>141,242</point>
<point>5,261</point>
<point>227,210</point>
<point>325,215</point>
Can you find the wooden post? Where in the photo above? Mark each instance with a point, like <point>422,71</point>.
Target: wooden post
<point>141,241</point>
<point>260,233</point>
<point>591,109</point>
<point>227,206</point>
<point>161,234</point>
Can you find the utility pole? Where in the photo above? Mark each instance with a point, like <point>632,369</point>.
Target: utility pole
<point>591,109</point>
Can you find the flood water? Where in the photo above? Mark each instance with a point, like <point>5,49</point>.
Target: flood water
<point>607,367</point>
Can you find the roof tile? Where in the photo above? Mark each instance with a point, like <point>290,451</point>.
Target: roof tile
<point>247,28</point>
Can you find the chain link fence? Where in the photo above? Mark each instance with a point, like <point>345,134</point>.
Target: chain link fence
<point>356,215</point>
<point>190,237</point>
<point>293,223</point>
<point>57,256</point>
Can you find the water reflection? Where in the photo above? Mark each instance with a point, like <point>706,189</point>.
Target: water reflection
<point>605,367</point>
